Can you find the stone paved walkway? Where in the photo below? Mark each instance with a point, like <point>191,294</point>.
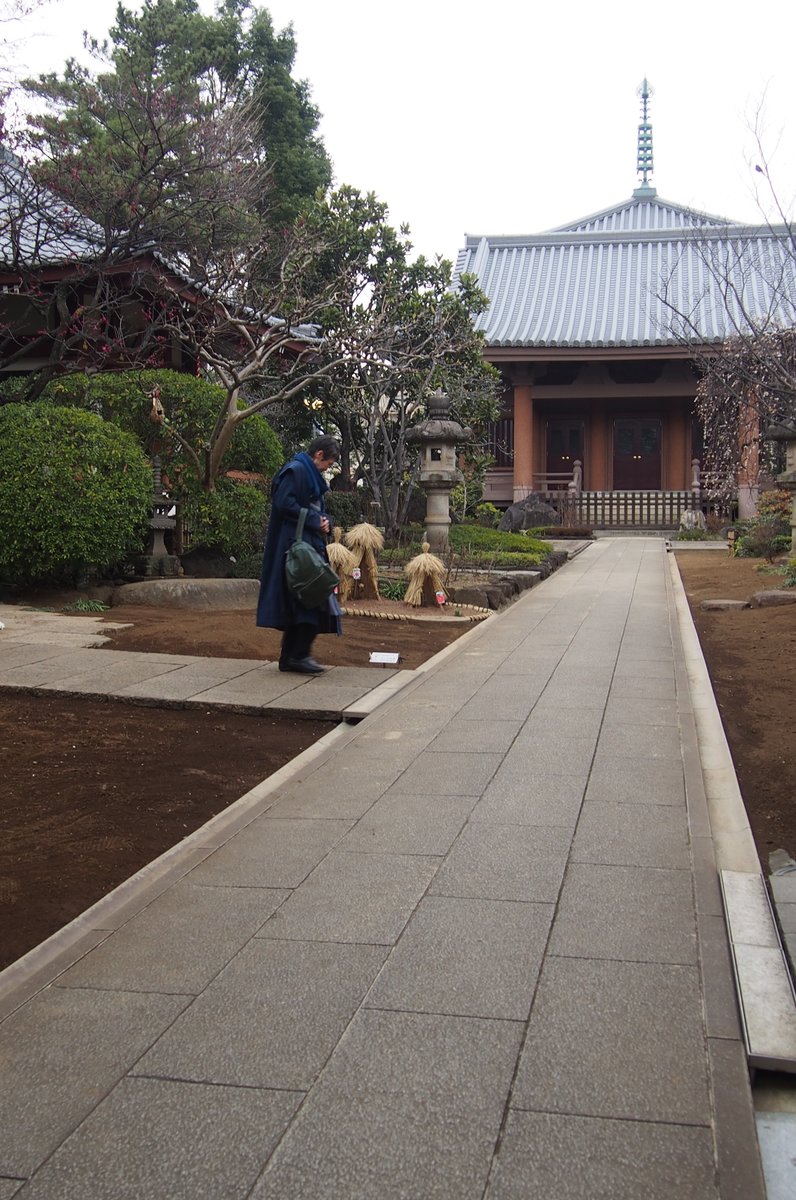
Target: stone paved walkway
<point>474,947</point>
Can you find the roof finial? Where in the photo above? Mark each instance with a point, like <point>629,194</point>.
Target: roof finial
<point>644,156</point>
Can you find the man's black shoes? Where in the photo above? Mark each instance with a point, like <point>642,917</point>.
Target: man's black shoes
<point>302,666</point>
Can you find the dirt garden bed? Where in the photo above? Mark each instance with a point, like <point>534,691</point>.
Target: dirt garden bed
<point>92,791</point>
<point>751,657</point>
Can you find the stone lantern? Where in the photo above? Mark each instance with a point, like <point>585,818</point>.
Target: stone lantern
<point>438,437</point>
<point>156,560</point>
<point>786,432</point>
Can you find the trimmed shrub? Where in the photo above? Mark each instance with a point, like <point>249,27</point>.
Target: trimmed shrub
<point>487,514</point>
<point>75,495</point>
<point>254,447</point>
<point>503,560</point>
<point>469,540</point>
<point>231,519</point>
<point>478,547</point>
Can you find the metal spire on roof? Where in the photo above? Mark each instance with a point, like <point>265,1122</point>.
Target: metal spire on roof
<point>644,155</point>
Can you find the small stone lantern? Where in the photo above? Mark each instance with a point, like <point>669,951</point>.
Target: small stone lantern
<point>438,437</point>
<point>156,560</point>
<point>786,432</point>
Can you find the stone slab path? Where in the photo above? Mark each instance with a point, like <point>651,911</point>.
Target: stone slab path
<point>474,948</point>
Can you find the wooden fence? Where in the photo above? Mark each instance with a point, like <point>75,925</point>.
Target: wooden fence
<point>633,510</point>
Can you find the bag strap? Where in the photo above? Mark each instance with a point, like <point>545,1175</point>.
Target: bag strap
<point>300,525</point>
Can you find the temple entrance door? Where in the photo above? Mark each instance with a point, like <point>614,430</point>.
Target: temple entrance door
<point>637,454</point>
<point>564,446</point>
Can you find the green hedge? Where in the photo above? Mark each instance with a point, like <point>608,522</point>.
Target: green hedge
<point>475,546</point>
<point>477,539</point>
<point>75,495</point>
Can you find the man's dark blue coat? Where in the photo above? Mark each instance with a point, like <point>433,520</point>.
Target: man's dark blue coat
<point>299,484</point>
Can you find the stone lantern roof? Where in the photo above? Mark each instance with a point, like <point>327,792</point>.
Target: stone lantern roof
<point>438,426</point>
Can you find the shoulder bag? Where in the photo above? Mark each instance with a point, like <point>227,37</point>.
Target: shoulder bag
<point>308,576</point>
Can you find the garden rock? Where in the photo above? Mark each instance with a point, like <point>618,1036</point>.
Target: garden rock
<point>474,596</point>
<point>190,593</point>
<point>769,599</point>
<point>526,579</point>
<point>527,514</point>
<point>723,605</point>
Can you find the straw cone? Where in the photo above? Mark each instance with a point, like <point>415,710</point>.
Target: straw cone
<point>365,541</point>
<point>426,574</point>
<point>343,563</point>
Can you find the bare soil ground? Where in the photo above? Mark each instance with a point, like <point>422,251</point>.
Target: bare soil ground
<point>92,791</point>
<point>234,634</point>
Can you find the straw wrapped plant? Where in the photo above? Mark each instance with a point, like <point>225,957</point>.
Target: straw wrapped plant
<point>364,542</point>
<point>343,563</point>
<point>426,576</point>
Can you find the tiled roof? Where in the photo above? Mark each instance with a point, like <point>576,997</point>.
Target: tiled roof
<point>645,272</point>
<point>36,228</point>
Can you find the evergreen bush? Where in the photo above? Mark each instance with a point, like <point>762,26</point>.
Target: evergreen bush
<point>773,507</point>
<point>488,514</point>
<point>247,564</point>
<point>75,495</point>
<point>763,540</point>
<point>191,406</point>
<point>344,508</point>
<point>231,519</point>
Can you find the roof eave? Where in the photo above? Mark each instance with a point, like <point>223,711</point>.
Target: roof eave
<point>498,354</point>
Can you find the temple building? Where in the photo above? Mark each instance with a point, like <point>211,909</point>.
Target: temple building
<point>597,327</point>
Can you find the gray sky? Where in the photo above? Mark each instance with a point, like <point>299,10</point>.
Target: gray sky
<point>505,118</point>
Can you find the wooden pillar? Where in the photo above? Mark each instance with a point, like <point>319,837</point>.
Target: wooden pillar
<point>523,441</point>
<point>598,471</point>
<point>677,468</point>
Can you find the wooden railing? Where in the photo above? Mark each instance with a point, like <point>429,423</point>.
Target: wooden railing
<point>553,483</point>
